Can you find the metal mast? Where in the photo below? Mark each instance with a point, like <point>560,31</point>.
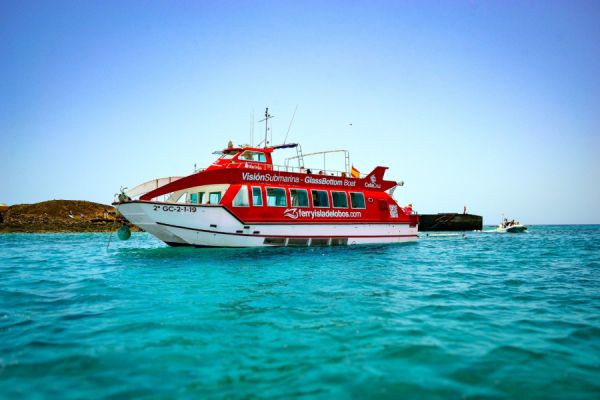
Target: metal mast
<point>266,119</point>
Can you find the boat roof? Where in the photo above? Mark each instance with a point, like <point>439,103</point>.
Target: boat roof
<point>269,149</point>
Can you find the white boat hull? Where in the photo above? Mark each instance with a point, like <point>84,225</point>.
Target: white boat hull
<point>512,229</point>
<point>215,226</point>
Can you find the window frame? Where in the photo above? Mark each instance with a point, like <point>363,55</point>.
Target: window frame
<point>218,201</point>
<point>307,199</point>
<point>258,153</point>
<point>284,196</point>
<point>262,203</point>
<point>333,201</point>
<point>313,198</point>
<point>228,156</point>
<point>364,202</point>
<point>242,187</point>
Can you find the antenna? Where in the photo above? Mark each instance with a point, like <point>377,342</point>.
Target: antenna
<point>291,121</point>
<point>252,131</point>
<point>266,120</point>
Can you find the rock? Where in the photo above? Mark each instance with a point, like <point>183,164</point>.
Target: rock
<point>60,216</point>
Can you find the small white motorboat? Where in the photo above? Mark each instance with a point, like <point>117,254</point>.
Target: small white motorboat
<point>511,227</point>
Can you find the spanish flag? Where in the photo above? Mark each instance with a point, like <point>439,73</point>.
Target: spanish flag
<point>354,172</point>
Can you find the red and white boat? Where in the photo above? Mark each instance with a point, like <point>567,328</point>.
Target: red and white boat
<point>243,200</point>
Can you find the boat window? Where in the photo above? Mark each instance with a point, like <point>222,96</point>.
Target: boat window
<point>320,198</point>
<point>299,197</point>
<point>275,241</point>
<point>214,197</point>
<point>255,156</point>
<point>339,199</point>
<point>256,196</point>
<point>297,242</point>
<point>339,241</point>
<point>276,197</point>
<point>227,155</point>
<point>241,198</point>
<point>357,200</point>
<point>196,198</point>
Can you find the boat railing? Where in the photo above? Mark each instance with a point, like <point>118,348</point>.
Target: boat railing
<point>300,170</point>
<point>288,168</point>
<point>150,185</point>
<point>300,159</point>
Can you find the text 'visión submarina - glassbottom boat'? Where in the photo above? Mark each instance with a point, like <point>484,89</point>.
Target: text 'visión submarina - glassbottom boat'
<point>243,200</point>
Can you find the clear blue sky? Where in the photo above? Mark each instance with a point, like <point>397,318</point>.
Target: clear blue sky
<point>493,105</point>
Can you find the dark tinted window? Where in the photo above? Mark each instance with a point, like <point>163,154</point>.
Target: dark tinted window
<point>339,199</point>
<point>299,197</point>
<point>256,196</point>
<point>320,198</point>
<point>357,200</point>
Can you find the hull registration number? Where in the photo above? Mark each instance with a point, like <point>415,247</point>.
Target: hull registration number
<point>175,208</point>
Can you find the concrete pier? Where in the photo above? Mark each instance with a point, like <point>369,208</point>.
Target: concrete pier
<point>450,222</point>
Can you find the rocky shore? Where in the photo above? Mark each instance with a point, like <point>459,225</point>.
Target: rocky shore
<point>59,216</point>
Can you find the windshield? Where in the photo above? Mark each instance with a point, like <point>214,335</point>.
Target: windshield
<point>229,154</point>
<point>253,156</point>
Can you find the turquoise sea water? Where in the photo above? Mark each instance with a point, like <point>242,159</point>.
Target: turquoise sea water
<point>489,316</point>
